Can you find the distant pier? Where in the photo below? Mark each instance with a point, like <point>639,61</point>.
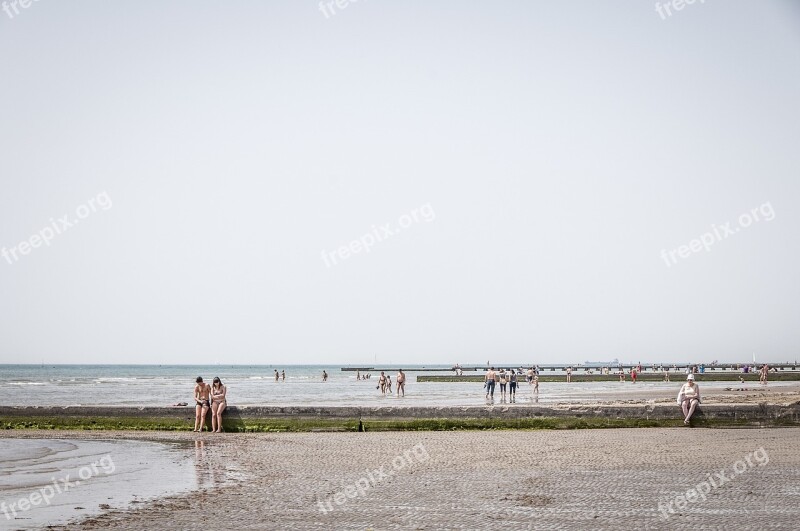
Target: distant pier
<point>614,369</point>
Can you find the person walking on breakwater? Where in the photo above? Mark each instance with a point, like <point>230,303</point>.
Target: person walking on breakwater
<point>512,387</point>
<point>401,383</point>
<point>202,392</point>
<point>218,404</point>
<point>689,398</point>
<point>489,383</point>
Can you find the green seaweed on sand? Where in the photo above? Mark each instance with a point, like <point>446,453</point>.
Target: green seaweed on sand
<point>355,425</point>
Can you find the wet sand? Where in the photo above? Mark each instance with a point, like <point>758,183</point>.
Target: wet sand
<point>54,480</point>
<point>581,479</point>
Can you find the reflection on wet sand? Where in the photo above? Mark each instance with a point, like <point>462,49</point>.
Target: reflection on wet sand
<point>209,468</point>
<point>47,482</point>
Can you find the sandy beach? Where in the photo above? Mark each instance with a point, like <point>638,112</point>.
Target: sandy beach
<point>577,479</point>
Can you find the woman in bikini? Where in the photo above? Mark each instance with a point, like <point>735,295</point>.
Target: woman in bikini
<point>502,385</point>
<point>218,404</point>
<point>689,398</point>
<point>202,392</point>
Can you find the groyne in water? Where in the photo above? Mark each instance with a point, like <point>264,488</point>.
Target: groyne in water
<point>643,377</point>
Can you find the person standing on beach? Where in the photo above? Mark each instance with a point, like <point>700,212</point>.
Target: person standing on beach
<point>689,398</point>
<point>401,383</point>
<point>512,387</point>
<point>489,383</point>
<point>203,403</point>
<point>218,404</point>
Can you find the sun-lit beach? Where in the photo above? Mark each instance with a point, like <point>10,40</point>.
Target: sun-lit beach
<point>373,265</point>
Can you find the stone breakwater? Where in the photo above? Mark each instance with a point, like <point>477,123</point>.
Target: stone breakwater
<point>310,418</point>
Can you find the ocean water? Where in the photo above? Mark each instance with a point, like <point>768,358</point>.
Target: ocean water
<point>164,385</point>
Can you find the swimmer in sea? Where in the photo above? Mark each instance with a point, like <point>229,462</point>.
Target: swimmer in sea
<point>203,403</point>
<point>401,383</point>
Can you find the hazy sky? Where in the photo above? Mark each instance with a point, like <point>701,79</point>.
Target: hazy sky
<point>532,161</point>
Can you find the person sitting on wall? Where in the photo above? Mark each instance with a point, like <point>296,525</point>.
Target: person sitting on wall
<point>689,398</point>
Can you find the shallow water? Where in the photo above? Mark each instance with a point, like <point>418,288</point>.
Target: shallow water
<point>142,385</point>
<point>49,482</point>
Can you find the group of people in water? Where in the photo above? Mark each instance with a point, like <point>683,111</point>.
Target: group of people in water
<point>282,376</point>
<point>385,383</point>
<point>209,397</point>
<point>508,381</point>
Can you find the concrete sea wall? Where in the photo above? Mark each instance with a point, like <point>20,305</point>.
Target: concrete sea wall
<point>310,418</point>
